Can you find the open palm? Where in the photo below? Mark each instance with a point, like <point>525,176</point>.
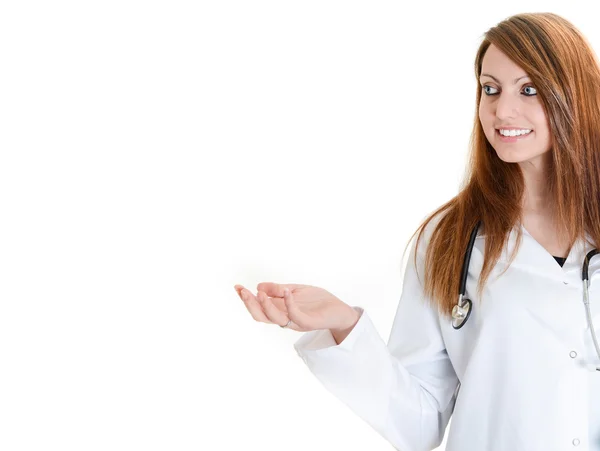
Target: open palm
<point>308,307</point>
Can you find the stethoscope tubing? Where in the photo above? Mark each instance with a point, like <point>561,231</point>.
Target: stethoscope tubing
<point>462,310</point>
<point>467,259</point>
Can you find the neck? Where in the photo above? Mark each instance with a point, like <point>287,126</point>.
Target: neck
<point>536,198</point>
<point>536,203</point>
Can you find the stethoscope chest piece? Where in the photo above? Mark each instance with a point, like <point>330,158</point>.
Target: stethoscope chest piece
<point>460,313</point>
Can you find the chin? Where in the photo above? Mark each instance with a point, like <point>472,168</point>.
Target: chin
<point>511,158</point>
<point>518,157</point>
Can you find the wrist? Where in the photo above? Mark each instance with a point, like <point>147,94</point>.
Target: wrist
<point>349,325</point>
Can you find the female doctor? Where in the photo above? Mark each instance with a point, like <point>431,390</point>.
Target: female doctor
<point>514,358</point>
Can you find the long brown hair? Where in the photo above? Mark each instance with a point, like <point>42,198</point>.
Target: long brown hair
<point>566,74</point>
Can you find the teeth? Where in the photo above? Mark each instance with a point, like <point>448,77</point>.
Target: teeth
<point>514,132</point>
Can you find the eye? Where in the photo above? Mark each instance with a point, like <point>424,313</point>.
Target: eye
<point>530,94</point>
<point>486,92</point>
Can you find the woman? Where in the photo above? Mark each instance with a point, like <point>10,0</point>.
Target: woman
<point>520,373</point>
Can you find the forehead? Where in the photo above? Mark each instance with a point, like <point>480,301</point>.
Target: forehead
<point>496,62</point>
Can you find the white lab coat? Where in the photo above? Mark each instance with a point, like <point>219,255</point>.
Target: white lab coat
<point>518,376</point>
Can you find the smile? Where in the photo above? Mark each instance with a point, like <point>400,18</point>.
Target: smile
<point>512,139</point>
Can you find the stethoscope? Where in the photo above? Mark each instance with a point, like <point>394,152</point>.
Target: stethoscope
<point>462,310</point>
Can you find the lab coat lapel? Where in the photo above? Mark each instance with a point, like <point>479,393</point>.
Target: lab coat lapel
<point>555,293</point>
<point>541,290</point>
<point>537,259</point>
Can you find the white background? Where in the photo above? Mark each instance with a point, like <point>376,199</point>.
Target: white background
<point>154,154</point>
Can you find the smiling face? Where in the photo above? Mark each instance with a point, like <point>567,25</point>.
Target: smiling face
<point>509,100</point>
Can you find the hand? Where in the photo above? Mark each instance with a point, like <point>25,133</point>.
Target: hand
<point>309,307</point>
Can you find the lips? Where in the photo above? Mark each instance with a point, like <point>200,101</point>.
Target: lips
<point>516,136</point>
<point>513,139</point>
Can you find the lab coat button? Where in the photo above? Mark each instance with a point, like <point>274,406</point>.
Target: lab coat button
<point>573,354</point>
<point>576,442</point>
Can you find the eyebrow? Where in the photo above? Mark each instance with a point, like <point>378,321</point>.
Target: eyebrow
<point>498,81</point>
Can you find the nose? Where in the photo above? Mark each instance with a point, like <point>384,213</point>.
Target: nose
<point>507,107</point>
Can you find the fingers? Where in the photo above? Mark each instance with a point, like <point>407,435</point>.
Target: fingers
<point>276,289</point>
<point>300,318</point>
<point>271,289</point>
<point>275,315</point>
<point>274,310</point>
<point>252,304</point>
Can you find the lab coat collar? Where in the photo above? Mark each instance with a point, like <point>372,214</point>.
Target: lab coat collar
<point>533,257</point>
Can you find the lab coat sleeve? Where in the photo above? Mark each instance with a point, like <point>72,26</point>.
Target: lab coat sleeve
<point>406,389</point>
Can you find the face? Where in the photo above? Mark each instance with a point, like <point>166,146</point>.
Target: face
<point>513,105</point>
